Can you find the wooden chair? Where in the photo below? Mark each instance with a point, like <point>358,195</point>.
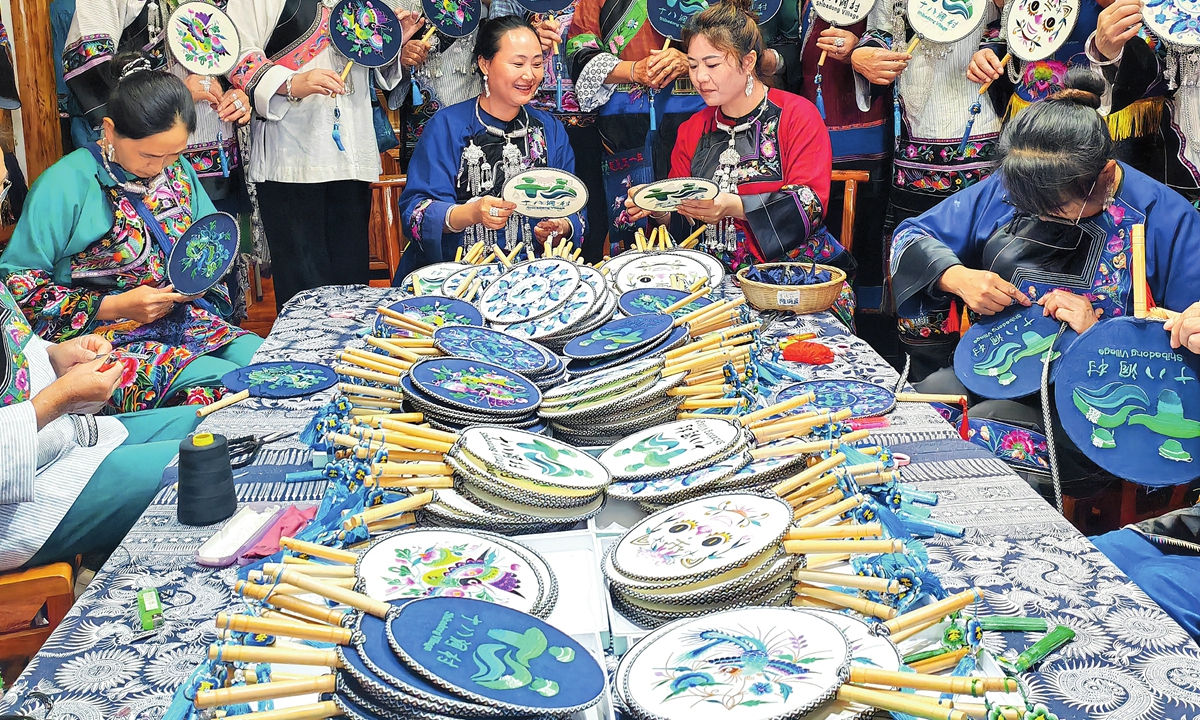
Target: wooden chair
<point>849,200</point>
<point>386,233</point>
<point>22,596</point>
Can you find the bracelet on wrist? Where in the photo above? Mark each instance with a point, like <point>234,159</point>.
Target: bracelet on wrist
<point>287,89</point>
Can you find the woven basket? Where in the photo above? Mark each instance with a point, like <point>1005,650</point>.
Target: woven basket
<point>800,299</point>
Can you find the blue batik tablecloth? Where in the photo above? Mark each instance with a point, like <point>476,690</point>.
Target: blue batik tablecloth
<point>1129,661</point>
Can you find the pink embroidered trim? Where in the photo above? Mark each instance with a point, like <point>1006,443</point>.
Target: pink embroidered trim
<point>248,70</point>
<point>311,47</point>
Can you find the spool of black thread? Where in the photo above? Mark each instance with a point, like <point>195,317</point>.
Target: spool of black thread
<point>206,493</point>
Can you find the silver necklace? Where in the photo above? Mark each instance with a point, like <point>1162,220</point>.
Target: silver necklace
<point>481,178</point>
<point>724,236</point>
<point>131,187</point>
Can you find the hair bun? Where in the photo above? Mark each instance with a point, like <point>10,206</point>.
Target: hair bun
<point>1081,86</point>
<point>743,6</point>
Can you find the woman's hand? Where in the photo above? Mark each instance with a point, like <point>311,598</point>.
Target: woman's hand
<point>143,304</point>
<point>879,66</point>
<point>1075,310</point>
<point>1117,24</point>
<point>414,53</point>
<point>83,390</point>
<point>983,291</point>
<point>410,23</point>
<point>234,107</point>
<point>634,212</point>
<point>317,82</point>
<point>663,66</point>
<point>985,67</point>
<point>558,227</point>
<point>1185,329</point>
<point>491,212</point>
<point>549,31</point>
<point>83,349</point>
<point>204,88</point>
<point>827,43</point>
<point>724,205</point>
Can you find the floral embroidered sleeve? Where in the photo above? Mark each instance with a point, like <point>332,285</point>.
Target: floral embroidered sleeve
<point>254,73</point>
<point>90,44</point>
<point>56,312</point>
<point>786,219</point>
<point>430,193</point>
<point>590,64</point>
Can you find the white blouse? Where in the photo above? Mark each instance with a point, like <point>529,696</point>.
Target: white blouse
<point>42,472</point>
<point>293,142</point>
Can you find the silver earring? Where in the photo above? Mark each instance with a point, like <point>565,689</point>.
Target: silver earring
<point>487,91</point>
<point>749,84</point>
<point>111,153</point>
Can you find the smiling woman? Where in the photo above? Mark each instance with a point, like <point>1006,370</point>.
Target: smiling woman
<point>468,151</point>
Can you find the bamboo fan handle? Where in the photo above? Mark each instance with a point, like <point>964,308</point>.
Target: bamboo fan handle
<point>899,702</point>
<point>852,602</point>
<point>973,686</point>
<point>930,398</point>
<point>319,570</point>
<point>899,637</point>
<point>355,372</point>
<point>858,582</point>
<point>861,547</point>
<point>346,70</point>
<point>790,485</point>
<point>835,532</point>
<point>289,603</point>
<point>824,501</point>
<point>265,691</point>
<point>380,512</point>
<point>684,302</point>
<point>832,511</point>
<point>407,428</point>
<point>284,655</point>
<point>821,60</point>
<point>317,711</point>
<point>1003,63</point>
<point>913,45</point>
<point>940,663</point>
<point>330,592</point>
<point>939,609</point>
<point>407,469</point>
<point>1138,237</point>
<point>367,390</point>
<point>778,408</point>
<point>321,551</point>
<point>425,482</point>
<point>223,403</point>
<point>283,628</point>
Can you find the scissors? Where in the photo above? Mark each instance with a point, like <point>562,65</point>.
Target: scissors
<point>243,450</point>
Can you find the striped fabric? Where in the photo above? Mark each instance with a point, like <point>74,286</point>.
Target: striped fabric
<point>33,500</point>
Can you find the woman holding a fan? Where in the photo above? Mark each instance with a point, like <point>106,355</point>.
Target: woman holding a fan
<point>767,151</point>
<point>90,253</point>
<point>469,151</point>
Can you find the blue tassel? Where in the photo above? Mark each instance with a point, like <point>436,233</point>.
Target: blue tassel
<point>418,99</point>
<point>558,90</point>
<point>896,112</point>
<point>221,150</point>
<point>918,497</point>
<point>337,127</point>
<point>653,116</point>
<point>975,110</point>
<point>820,97</point>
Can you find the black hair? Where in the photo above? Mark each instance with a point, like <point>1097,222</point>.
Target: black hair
<point>1053,151</point>
<point>487,42</point>
<point>146,102</point>
<point>731,26</point>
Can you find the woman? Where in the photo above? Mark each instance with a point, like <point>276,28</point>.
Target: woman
<point>1051,227</point>
<point>558,98</point>
<point>84,259</point>
<point>71,482</point>
<point>774,189</point>
<point>103,28</point>
<point>1138,73</point>
<point>315,154</point>
<point>622,71</point>
<point>931,99</point>
<point>861,139</point>
<point>469,150</point>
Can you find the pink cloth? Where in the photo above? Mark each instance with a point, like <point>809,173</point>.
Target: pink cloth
<point>291,522</point>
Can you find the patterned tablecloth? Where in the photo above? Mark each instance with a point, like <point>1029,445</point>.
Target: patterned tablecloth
<point>1129,661</point>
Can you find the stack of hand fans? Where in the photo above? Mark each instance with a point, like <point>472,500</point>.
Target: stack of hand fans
<point>603,407</point>
<point>454,393</point>
<point>549,300</point>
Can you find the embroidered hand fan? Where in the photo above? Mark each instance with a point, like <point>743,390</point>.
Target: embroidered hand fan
<point>454,18</point>
<point>650,300</point>
<point>945,21</point>
<point>1036,29</point>
<point>1131,403</point>
<point>620,336</point>
<point>366,32</point>
<point>203,39</point>
<point>204,253</point>
<point>546,193</point>
<point>1001,357</point>
<point>272,380</point>
<point>666,195</point>
<point>1176,22</point>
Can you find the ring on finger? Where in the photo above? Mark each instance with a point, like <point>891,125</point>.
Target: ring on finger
<point>494,212</point>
